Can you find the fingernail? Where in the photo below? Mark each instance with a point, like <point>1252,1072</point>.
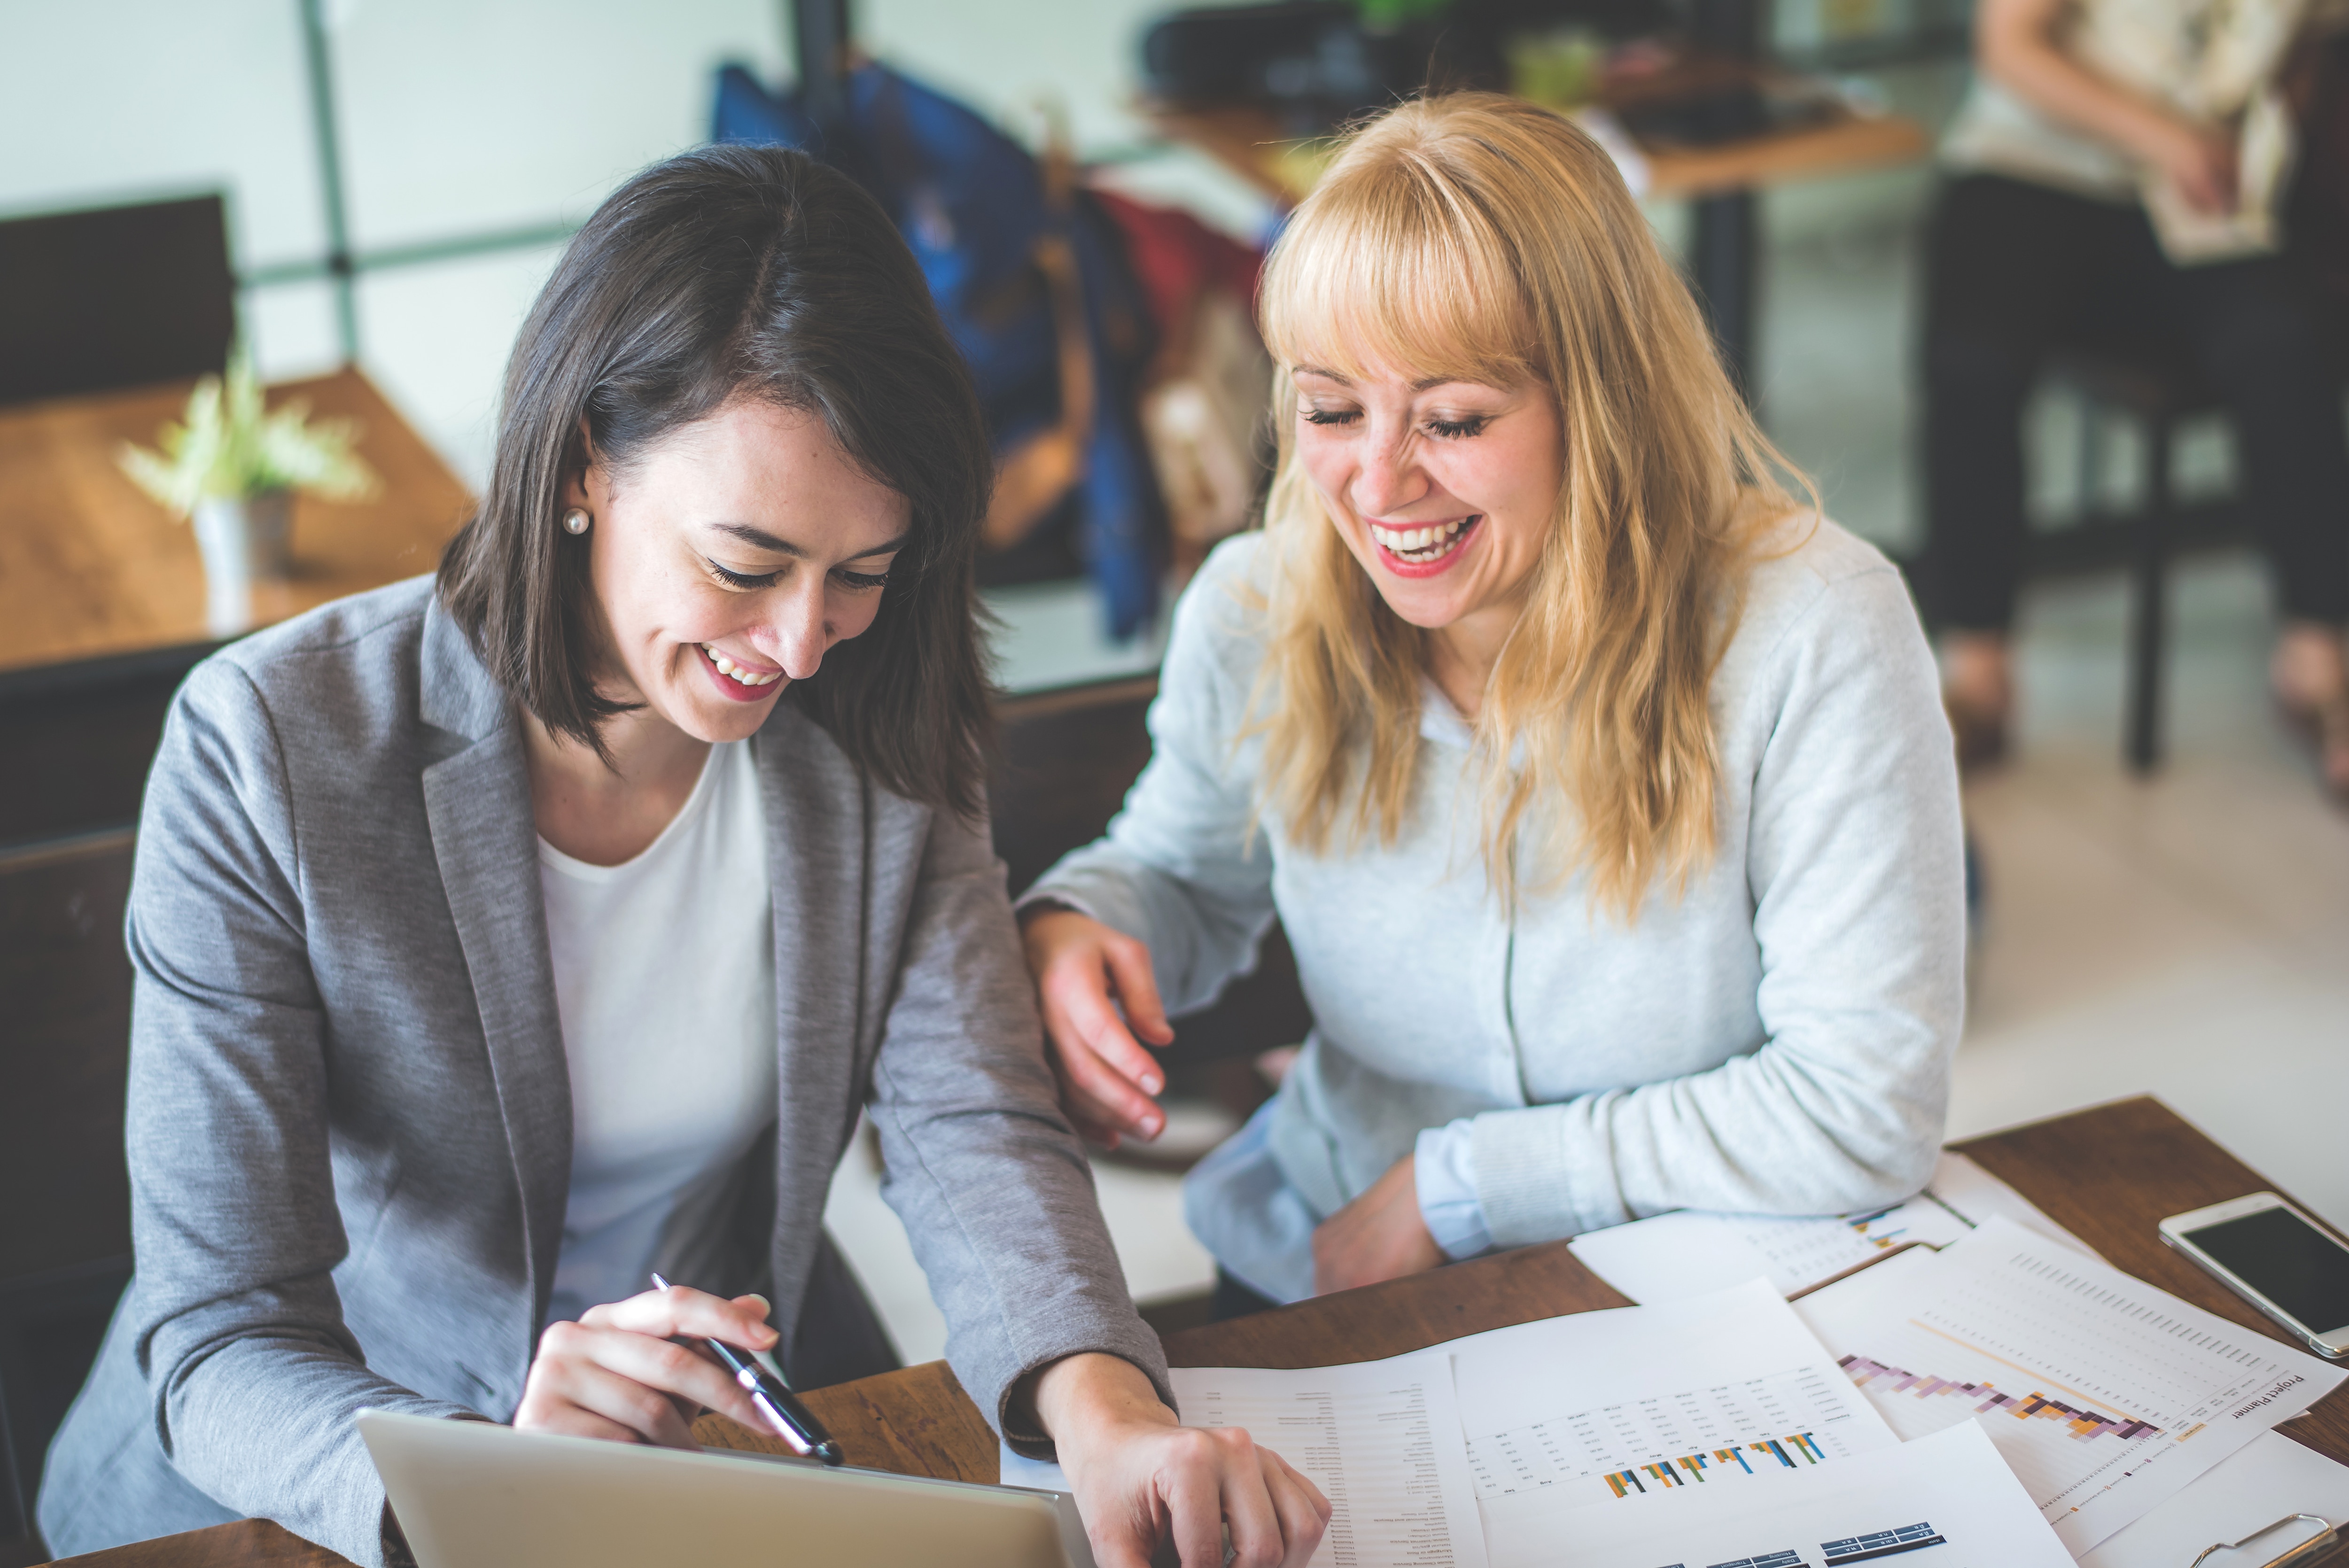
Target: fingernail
<point>766,1307</point>
<point>1151,1086</point>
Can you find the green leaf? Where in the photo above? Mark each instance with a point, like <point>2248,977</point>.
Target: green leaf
<point>229,447</point>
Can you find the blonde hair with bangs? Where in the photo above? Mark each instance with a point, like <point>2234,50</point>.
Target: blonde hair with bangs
<point>1477,237</point>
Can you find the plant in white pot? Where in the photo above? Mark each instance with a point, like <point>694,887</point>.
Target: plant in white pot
<point>235,467</point>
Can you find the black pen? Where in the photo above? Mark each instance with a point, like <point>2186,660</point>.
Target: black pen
<point>781,1407</point>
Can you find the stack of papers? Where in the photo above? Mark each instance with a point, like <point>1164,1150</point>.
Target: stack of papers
<point>1613,1439</point>
<point>2011,1399</point>
<point>2106,1396</point>
<point>1691,1252</point>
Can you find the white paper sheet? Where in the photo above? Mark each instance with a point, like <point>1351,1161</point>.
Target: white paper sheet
<point>2105,1395</point>
<point>1019,1469</point>
<point>1727,1389</point>
<point>2269,1479</point>
<point>1691,1252</point>
<point>1948,1497</point>
<point>1380,1439</point>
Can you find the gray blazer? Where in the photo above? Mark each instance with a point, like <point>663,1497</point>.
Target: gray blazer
<point>349,1121</point>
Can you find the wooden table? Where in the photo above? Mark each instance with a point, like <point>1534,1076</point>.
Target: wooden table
<point>1720,179</point>
<point>2105,1174</point>
<point>91,568</point>
<point>1252,143</point>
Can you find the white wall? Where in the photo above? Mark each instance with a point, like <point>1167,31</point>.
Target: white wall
<point>459,117</point>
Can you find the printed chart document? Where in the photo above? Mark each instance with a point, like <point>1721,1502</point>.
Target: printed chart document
<point>2105,1395</point>
<point>1380,1439</point>
<point>1691,1252</point>
<point>1949,1499</point>
<point>1729,1392</point>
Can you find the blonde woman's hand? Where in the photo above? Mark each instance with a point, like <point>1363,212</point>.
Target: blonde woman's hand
<point>616,1375</point>
<point>2202,163</point>
<point>1098,995</point>
<point>1380,1235</point>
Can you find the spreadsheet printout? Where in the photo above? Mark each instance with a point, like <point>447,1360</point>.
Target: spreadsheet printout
<point>1948,1498</point>
<point>1380,1439</point>
<point>2104,1394</point>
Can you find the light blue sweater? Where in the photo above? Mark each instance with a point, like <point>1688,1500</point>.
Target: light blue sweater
<point>1776,1040</point>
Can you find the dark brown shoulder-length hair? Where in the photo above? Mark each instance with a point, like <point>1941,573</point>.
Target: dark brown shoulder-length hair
<point>743,272</point>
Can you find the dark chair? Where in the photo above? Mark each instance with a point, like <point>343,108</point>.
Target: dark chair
<point>1065,761</point>
<point>116,296</point>
<point>2157,388</point>
<point>79,740</point>
<point>65,1226</point>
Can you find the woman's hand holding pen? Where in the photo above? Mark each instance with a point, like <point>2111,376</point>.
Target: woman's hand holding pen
<point>1098,994</point>
<point>1139,1477</point>
<point>614,1374</point>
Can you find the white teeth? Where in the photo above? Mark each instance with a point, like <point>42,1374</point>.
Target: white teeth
<point>728,668</point>
<point>1410,541</point>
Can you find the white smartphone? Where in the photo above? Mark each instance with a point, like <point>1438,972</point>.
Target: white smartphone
<point>2276,1258</point>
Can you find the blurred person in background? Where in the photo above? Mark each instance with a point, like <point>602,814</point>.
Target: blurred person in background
<point>504,937</point>
<point>1601,788</point>
<point>2117,174</point>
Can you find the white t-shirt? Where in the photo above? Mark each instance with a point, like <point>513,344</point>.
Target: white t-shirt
<point>665,979</point>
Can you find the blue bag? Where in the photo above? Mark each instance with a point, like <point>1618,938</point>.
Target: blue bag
<point>973,205</point>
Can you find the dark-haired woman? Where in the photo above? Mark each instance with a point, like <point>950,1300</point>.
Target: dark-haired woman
<point>502,939</point>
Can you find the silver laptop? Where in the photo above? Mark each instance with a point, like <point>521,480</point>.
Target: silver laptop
<point>472,1495</point>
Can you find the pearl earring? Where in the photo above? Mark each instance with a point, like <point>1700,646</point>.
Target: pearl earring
<point>575,521</point>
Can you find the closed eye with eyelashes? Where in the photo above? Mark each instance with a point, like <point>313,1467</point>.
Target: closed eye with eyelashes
<point>856,581</point>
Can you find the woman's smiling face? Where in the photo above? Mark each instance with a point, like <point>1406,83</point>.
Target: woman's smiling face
<point>1444,490</point>
<point>728,560</point>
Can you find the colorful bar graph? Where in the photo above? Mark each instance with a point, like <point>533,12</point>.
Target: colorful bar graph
<point>1789,1449</point>
<point>1682,1469</point>
<point>1793,1451</point>
<point>2085,1424</point>
<point>1882,1239</point>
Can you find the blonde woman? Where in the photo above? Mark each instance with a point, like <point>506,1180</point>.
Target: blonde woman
<point>1603,791</point>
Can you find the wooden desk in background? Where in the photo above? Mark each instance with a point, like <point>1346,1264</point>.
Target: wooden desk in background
<point>2107,1174</point>
<point>102,592</point>
<point>90,567</point>
<point>1721,180</point>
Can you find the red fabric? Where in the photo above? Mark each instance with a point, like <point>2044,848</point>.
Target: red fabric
<point>1178,258</point>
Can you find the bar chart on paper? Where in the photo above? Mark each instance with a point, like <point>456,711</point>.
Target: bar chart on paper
<point>1727,1392</point>
<point>1944,1502</point>
<point>2104,1394</point>
<point>1723,1434</point>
